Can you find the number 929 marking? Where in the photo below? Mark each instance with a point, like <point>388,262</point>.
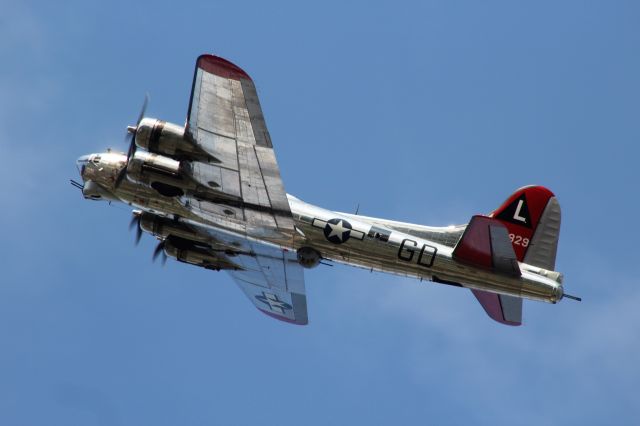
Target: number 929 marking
<point>519,240</point>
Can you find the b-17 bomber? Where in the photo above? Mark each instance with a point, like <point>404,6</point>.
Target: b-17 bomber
<point>211,193</point>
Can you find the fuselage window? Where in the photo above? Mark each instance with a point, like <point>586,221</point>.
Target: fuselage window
<point>379,233</point>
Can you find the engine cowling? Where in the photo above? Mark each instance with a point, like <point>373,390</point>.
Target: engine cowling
<point>163,228</point>
<point>198,256</point>
<point>161,173</point>
<point>166,138</point>
<point>145,164</point>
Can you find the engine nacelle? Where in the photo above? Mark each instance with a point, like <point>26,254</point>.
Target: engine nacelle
<point>159,136</point>
<point>163,228</point>
<point>146,163</point>
<point>161,173</point>
<point>166,138</point>
<point>197,256</point>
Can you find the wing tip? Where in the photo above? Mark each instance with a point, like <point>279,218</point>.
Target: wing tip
<point>305,321</point>
<point>221,67</point>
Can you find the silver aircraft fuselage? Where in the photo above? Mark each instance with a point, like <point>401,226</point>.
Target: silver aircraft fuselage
<point>376,244</point>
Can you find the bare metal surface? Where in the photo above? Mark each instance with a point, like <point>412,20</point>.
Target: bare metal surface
<point>504,257</point>
<point>544,244</point>
<point>270,261</point>
<point>511,308</point>
<point>226,121</point>
<point>229,211</point>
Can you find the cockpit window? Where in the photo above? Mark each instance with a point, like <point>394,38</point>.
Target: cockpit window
<point>96,159</point>
<point>81,163</point>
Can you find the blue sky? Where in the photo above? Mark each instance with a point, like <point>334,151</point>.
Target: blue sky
<point>427,112</point>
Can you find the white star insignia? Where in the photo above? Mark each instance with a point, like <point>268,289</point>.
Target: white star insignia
<point>337,230</point>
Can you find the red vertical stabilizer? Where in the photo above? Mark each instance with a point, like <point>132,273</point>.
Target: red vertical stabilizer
<point>521,214</point>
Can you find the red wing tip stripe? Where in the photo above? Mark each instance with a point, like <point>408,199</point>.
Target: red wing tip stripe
<point>221,67</point>
<point>281,318</point>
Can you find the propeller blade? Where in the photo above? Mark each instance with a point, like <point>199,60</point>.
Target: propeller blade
<point>130,139</point>
<point>159,249</point>
<point>143,109</point>
<point>135,222</point>
<point>138,233</point>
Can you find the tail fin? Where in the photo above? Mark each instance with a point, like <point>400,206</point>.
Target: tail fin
<point>532,217</point>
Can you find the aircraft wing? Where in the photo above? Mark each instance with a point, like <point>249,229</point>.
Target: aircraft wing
<point>269,276</point>
<point>225,120</point>
<point>273,280</point>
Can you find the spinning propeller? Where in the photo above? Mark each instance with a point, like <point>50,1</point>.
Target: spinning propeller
<point>159,250</point>
<point>135,223</point>
<point>130,138</point>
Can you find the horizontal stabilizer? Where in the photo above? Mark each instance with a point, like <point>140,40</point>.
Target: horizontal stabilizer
<point>485,243</point>
<point>503,255</point>
<point>504,309</point>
